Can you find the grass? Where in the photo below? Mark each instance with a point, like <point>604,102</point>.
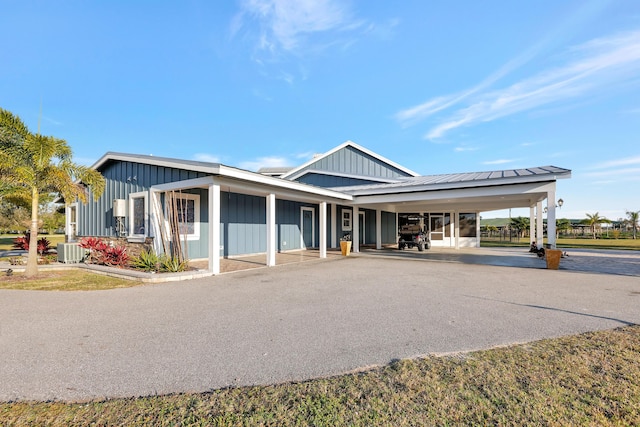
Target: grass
<point>64,280</point>
<point>589,379</point>
<point>586,243</point>
<point>6,240</point>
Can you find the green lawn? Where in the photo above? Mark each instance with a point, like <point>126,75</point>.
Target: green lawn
<point>589,379</point>
<point>626,244</point>
<point>64,280</point>
<point>6,240</point>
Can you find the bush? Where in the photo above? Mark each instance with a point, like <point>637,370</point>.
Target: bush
<point>44,245</point>
<point>104,254</point>
<point>172,264</point>
<point>147,261</point>
<point>115,256</point>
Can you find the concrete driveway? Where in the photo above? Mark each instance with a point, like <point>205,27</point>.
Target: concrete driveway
<point>288,323</point>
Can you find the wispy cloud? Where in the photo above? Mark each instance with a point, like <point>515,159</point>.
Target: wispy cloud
<point>629,174</point>
<point>626,169</point>
<point>625,161</point>
<point>285,25</point>
<point>419,112</point>
<point>52,121</point>
<point>588,69</point>
<point>499,161</point>
<point>463,149</point>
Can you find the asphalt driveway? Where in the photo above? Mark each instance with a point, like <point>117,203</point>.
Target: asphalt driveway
<point>288,323</point>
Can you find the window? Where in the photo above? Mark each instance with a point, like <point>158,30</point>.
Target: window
<point>138,215</point>
<point>187,214</point>
<point>72,222</point>
<point>447,225</point>
<point>467,225</point>
<point>346,220</point>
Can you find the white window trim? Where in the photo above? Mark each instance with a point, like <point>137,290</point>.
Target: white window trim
<point>132,234</point>
<point>347,215</point>
<point>313,226</point>
<point>196,214</point>
<point>71,237</point>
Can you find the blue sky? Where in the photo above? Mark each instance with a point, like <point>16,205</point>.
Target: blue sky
<point>437,87</point>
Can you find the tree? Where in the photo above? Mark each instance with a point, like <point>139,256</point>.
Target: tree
<point>32,165</point>
<point>521,224</point>
<point>593,220</point>
<point>634,218</point>
<point>562,224</point>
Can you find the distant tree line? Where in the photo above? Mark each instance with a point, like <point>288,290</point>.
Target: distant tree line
<point>520,226</point>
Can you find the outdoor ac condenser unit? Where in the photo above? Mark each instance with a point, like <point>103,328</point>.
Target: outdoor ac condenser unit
<point>70,253</point>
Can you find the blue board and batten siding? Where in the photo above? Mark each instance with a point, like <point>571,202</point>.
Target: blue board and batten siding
<point>330,181</point>
<point>348,161</point>
<point>123,178</point>
<point>243,217</point>
<point>243,227</point>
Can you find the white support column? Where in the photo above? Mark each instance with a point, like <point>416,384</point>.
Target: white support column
<point>477,229</point>
<point>532,223</point>
<point>456,229</point>
<point>323,229</point>
<point>214,228</point>
<point>397,229</point>
<point>378,229</point>
<point>551,218</point>
<point>539,229</point>
<point>157,221</point>
<point>271,230</point>
<point>355,227</point>
<point>452,231</point>
<point>334,226</point>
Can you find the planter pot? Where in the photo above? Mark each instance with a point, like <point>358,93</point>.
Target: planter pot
<point>345,247</point>
<point>553,258</point>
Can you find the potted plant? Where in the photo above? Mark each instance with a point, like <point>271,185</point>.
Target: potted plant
<point>345,244</point>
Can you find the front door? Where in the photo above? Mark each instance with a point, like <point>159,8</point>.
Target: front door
<point>308,232</point>
<point>437,228</point>
<point>361,229</point>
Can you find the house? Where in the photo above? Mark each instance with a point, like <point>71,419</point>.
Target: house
<point>221,211</point>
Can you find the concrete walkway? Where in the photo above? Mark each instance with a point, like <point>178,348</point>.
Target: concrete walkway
<point>292,322</point>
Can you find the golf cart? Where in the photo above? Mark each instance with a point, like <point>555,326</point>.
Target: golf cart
<point>412,235</point>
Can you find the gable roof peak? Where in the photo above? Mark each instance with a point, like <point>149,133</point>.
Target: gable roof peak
<point>292,173</point>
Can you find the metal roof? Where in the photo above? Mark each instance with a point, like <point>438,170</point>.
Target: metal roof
<point>274,170</point>
<point>461,180</point>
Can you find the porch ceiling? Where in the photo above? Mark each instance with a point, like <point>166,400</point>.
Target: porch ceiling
<point>472,204</point>
<point>472,200</point>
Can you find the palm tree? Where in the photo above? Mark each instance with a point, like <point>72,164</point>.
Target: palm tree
<point>562,224</point>
<point>521,224</point>
<point>634,218</point>
<point>593,220</point>
<point>32,165</point>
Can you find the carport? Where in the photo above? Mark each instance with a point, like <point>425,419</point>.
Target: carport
<point>456,194</point>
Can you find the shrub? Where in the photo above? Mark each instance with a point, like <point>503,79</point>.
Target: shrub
<point>115,256</point>
<point>103,254</point>
<point>172,264</point>
<point>44,245</point>
<point>147,261</point>
<point>96,247</point>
